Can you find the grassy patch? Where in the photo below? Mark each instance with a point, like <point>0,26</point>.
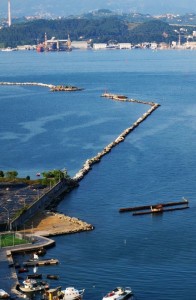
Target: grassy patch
<point>10,240</point>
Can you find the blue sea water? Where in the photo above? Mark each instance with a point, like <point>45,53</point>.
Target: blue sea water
<point>40,130</point>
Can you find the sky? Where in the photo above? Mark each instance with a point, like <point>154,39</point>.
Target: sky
<point>75,7</point>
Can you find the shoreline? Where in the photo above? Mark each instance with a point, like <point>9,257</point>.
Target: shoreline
<point>51,224</point>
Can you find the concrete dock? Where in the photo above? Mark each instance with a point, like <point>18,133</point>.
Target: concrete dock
<point>8,275</point>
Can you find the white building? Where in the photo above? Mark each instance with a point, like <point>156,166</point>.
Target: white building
<point>190,45</point>
<point>99,46</point>
<point>79,45</point>
<point>124,45</point>
<point>153,46</point>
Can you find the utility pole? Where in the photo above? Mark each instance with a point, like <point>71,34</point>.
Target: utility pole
<point>8,218</point>
<point>9,14</point>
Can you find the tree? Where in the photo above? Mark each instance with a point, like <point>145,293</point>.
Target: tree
<point>11,174</point>
<point>55,175</point>
<point>1,173</point>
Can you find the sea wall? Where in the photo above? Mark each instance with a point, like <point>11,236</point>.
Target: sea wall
<point>42,202</point>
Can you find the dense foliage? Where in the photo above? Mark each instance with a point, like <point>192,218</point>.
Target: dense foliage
<point>54,176</point>
<point>98,30</point>
<point>153,31</point>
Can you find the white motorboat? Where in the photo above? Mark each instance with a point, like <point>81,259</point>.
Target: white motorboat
<point>4,294</point>
<point>70,293</point>
<point>32,285</point>
<point>119,293</point>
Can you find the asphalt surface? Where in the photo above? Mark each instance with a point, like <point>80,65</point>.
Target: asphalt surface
<point>14,197</point>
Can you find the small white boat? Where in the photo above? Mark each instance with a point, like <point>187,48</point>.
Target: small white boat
<point>4,294</point>
<point>119,293</point>
<point>32,285</point>
<point>70,293</point>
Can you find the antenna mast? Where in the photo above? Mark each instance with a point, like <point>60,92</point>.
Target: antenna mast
<point>9,14</point>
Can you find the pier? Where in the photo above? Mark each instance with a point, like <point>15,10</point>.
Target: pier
<point>156,208</point>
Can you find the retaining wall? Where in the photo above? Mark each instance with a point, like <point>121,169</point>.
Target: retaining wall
<point>42,203</point>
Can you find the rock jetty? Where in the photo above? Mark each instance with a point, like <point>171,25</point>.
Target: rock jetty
<point>65,88</point>
<point>91,161</point>
<point>28,83</point>
<point>52,87</point>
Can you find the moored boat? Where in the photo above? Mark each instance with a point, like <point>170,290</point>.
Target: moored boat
<point>4,294</point>
<point>23,270</point>
<point>32,285</point>
<point>34,276</point>
<point>36,262</point>
<point>119,293</point>
<point>70,293</point>
<point>50,276</point>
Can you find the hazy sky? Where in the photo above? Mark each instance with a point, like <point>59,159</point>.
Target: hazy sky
<point>68,7</point>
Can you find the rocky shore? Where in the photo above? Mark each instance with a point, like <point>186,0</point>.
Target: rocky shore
<point>52,223</point>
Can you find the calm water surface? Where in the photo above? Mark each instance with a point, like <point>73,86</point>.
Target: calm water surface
<point>40,130</point>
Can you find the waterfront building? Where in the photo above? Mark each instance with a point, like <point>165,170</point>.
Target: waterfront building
<point>84,45</point>
<point>194,33</point>
<point>153,45</point>
<point>125,45</point>
<point>99,46</point>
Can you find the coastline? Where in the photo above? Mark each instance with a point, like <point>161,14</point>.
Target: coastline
<point>48,223</point>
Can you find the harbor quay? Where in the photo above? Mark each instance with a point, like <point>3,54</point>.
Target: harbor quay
<point>9,278</point>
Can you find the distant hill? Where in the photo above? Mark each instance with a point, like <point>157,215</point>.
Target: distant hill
<point>100,29</point>
<point>65,8</point>
<point>153,31</point>
<point>186,19</point>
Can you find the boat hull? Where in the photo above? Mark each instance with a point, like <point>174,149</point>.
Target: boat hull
<point>72,294</point>
<point>119,294</point>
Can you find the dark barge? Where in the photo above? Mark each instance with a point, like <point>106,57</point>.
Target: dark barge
<point>156,208</point>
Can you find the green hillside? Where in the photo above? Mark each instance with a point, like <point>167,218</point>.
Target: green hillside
<point>99,30</point>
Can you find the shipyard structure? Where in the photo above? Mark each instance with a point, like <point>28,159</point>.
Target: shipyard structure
<point>54,45</point>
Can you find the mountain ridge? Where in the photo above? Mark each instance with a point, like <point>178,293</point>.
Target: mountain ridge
<point>65,8</point>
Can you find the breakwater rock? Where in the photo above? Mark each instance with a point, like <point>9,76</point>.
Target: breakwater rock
<point>91,161</point>
<point>52,87</point>
<point>29,83</point>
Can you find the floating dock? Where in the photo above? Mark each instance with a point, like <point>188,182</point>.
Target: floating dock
<point>46,262</point>
<point>156,208</point>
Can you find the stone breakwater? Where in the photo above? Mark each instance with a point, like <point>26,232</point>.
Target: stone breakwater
<point>91,161</point>
<point>52,87</point>
<point>29,83</point>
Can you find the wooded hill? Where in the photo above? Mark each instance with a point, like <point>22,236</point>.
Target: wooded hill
<point>98,30</point>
